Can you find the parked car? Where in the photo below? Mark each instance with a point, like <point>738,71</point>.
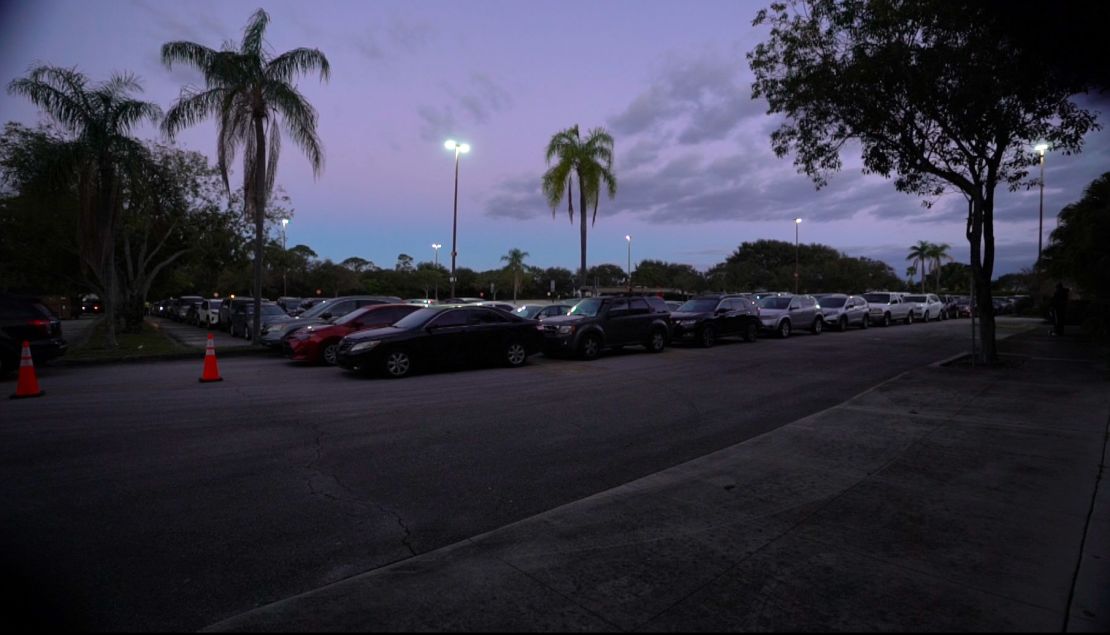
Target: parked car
<point>706,318</point>
<point>25,319</point>
<point>887,307</point>
<point>673,305</point>
<point>441,336</point>
<point>289,304</point>
<point>326,310</point>
<point>209,313</point>
<point>242,318</point>
<point>595,324</point>
<point>319,343</point>
<point>462,301</point>
<point>926,307</point>
<point>90,304</point>
<point>183,305</point>
<point>841,311</point>
<point>784,314</point>
<point>421,301</point>
<point>964,307</point>
<point>542,311</point>
<point>504,306</point>
<point>227,307</point>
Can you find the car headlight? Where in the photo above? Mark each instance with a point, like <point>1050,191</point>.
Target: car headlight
<point>566,329</point>
<point>365,346</point>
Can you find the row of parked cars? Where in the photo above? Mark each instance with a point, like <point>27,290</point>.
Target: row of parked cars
<point>388,335</point>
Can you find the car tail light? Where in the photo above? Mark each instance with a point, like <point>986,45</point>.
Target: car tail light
<point>43,325</point>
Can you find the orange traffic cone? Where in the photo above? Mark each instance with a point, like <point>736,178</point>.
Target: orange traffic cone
<point>211,370</point>
<point>28,385</point>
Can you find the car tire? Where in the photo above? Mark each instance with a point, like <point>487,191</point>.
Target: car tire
<point>842,325</point>
<point>590,348</point>
<point>926,317</point>
<point>909,318</point>
<point>247,333</point>
<point>818,326</point>
<point>886,319</point>
<point>515,354</point>
<point>657,341</point>
<point>708,337</point>
<point>784,329</point>
<point>866,322</point>
<point>330,355</point>
<point>751,332</point>
<point>397,363</point>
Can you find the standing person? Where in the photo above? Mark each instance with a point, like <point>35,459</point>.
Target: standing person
<point>1059,308</point>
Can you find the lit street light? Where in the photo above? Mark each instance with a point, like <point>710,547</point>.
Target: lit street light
<point>628,238</point>
<point>436,246</point>
<point>459,148</point>
<point>285,265</point>
<point>797,223</point>
<point>1040,147</point>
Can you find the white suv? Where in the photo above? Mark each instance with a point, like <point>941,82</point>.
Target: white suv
<point>926,306</point>
<point>888,307</point>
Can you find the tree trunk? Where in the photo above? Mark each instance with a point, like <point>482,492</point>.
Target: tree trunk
<point>980,235</point>
<point>259,225</point>
<point>582,211</point>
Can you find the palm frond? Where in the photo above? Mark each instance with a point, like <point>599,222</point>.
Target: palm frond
<point>198,56</point>
<point>191,108</point>
<point>299,118</point>
<point>254,33</point>
<point>58,91</point>
<point>285,67</point>
<point>274,151</point>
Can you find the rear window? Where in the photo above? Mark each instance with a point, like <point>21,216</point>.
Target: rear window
<point>915,298</point>
<point>774,302</point>
<point>877,298</point>
<point>659,305</point>
<point>833,303</point>
<point>699,306</point>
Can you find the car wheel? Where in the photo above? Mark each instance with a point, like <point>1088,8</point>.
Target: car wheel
<point>886,319</point>
<point>866,322</point>
<point>751,332</point>
<point>590,347</point>
<point>657,342</point>
<point>247,333</point>
<point>818,325</point>
<point>398,364</point>
<point>843,324</point>
<point>708,337</point>
<point>926,317</point>
<point>330,354</point>
<point>784,329</point>
<point>909,318</point>
<point>515,354</point>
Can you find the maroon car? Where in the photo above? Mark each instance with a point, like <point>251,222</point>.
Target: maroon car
<point>319,343</point>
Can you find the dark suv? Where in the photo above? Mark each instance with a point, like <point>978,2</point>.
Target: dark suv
<point>707,317</point>
<point>595,324</point>
<point>28,320</point>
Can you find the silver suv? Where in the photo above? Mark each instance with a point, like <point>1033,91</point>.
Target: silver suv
<point>841,311</point>
<point>888,307</point>
<point>783,314</point>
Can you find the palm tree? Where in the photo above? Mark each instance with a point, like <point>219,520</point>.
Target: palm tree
<point>515,258</point>
<point>920,254</point>
<point>248,92</point>
<point>591,163</point>
<point>100,118</point>
<point>938,253</point>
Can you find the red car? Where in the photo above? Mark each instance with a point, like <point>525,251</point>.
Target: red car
<point>319,343</point>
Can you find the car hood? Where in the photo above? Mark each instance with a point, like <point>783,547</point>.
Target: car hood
<point>376,334</point>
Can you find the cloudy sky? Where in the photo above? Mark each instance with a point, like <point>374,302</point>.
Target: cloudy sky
<point>668,79</point>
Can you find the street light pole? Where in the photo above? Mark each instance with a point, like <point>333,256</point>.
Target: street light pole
<point>436,246</point>
<point>284,265</point>
<point>797,223</point>
<point>628,238</point>
<point>459,148</point>
<point>1040,147</point>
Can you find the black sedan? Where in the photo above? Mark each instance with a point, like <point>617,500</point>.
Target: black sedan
<point>441,336</point>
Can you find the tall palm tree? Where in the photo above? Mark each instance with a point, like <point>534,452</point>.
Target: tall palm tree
<point>248,92</point>
<point>590,162</point>
<point>920,254</point>
<point>938,253</point>
<point>100,118</point>
<point>515,258</point>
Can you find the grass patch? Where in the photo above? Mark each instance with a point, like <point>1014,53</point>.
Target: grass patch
<point>151,341</point>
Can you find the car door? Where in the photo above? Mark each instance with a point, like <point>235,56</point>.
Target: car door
<point>486,335</point>
<point>640,319</point>
<point>731,321</point>
<point>444,339</point>
<point>618,322</point>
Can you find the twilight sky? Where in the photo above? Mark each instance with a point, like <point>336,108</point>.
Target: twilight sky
<point>667,78</point>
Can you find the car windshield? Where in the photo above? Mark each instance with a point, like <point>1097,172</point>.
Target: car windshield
<point>774,302</point>
<point>703,305</point>
<point>417,318</point>
<point>832,303</point>
<point>353,315</point>
<point>915,298</point>
<point>317,309</point>
<point>877,298</point>
<point>272,309</point>
<point>528,311</point>
<point>589,307</point>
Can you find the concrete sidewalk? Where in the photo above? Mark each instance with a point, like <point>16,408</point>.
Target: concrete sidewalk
<point>946,499</point>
